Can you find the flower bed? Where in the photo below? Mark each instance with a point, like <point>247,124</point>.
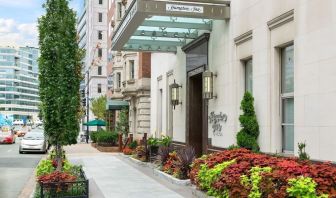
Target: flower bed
<point>241,173</point>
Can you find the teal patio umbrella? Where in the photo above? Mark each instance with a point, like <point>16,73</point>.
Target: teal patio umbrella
<point>95,123</point>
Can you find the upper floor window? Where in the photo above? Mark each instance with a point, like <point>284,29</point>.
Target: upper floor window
<point>100,52</point>
<point>118,80</point>
<point>131,69</point>
<point>248,76</point>
<point>100,2</point>
<point>100,35</point>
<point>99,70</point>
<point>119,8</point>
<point>100,17</point>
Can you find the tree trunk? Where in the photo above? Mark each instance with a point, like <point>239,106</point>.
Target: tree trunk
<point>59,157</point>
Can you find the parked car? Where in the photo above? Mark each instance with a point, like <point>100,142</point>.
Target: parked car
<point>33,142</point>
<point>18,122</point>
<point>7,136</point>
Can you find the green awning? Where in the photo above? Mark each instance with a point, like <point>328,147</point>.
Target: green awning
<point>165,25</point>
<point>95,123</point>
<point>116,104</point>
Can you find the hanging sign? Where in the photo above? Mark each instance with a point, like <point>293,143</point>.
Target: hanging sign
<point>184,8</point>
<point>215,120</point>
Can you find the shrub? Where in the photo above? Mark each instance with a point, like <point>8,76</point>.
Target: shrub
<point>133,144</point>
<point>54,178</point>
<point>302,151</point>
<point>93,136</point>
<point>163,154</point>
<point>254,181</point>
<point>44,167</point>
<point>140,153</point>
<point>303,187</point>
<point>248,135</point>
<point>185,158</point>
<point>153,142</point>
<point>105,137</point>
<point>165,141</point>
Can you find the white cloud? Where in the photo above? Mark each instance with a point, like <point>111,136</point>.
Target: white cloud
<point>13,33</point>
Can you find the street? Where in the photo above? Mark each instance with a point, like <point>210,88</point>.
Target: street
<point>15,169</point>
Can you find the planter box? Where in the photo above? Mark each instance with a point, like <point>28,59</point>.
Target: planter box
<point>94,145</point>
<point>110,149</point>
<point>172,179</point>
<point>76,189</point>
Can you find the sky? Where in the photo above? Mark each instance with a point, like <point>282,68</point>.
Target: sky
<point>18,21</point>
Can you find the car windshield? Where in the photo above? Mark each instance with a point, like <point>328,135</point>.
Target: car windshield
<point>33,136</point>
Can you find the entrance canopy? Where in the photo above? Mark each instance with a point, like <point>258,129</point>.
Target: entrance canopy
<point>116,105</point>
<point>162,25</point>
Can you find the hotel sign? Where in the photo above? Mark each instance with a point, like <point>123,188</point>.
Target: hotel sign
<point>184,8</point>
<point>215,120</point>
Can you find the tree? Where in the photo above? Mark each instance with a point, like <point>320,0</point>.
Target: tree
<point>122,124</point>
<point>98,107</point>
<point>247,137</point>
<point>59,75</point>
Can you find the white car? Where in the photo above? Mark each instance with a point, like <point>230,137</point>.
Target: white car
<point>18,122</point>
<point>34,142</point>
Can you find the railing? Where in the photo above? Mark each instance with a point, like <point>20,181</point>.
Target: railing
<point>76,189</point>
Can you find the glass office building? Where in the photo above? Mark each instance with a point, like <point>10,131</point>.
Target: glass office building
<point>19,93</point>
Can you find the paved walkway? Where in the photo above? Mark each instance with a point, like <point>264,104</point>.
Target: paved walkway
<point>111,177</point>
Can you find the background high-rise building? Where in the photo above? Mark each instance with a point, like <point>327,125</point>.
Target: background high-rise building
<point>19,93</point>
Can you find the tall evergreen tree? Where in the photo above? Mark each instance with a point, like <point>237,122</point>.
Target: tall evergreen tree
<point>247,137</point>
<point>59,74</point>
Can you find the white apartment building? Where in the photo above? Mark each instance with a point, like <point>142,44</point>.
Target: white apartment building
<point>92,30</point>
<point>284,52</point>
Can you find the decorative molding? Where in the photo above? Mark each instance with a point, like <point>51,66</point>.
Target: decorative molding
<point>281,20</point>
<point>243,38</point>
<point>170,73</point>
<point>159,78</point>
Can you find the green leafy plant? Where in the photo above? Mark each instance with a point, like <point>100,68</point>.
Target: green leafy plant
<point>106,137</point>
<point>98,107</point>
<point>165,141</point>
<point>133,144</point>
<point>122,125</point>
<point>248,135</point>
<point>232,147</point>
<point>153,142</point>
<point>254,181</point>
<point>93,136</point>
<point>303,187</point>
<point>302,151</point>
<point>60,74</point>
<point>206,175</point>
<point>44,167</point>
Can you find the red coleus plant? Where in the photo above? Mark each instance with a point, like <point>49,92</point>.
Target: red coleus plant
<point>127,151</point>
<point>56,179</point>
<point>275,183</point>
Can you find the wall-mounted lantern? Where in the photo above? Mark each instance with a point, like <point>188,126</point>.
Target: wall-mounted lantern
<point>208,85</point>
<point>175,94</point>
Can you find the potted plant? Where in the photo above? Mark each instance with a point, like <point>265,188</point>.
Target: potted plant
<point>153,144</point>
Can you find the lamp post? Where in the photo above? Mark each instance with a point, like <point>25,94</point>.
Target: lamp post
<point>87,106</point>
<point>175,94</point>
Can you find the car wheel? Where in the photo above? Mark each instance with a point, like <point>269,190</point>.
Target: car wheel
<point>20,152</point>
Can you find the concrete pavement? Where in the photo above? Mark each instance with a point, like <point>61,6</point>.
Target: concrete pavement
<point>111,177</point>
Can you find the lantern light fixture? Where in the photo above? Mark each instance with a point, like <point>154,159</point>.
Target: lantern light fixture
<point>175,94</point>
<point>208,92</point>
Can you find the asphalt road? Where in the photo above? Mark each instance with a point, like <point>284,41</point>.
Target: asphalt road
<point>15,169</point>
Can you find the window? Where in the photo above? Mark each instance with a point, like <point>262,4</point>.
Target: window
<point>287,97</point>
<point>248,76</point>
<point>100,2</point>
<point>131,69</point>
<point>100,17</point>
<point>119,10</point>
<point>30,68</point>
<point>100,52</point>
<point>100,35</point>
<point>30,56</point>
<point>99,70</point>
<point>99,88</point>
<point>118,80</point>
<point>30,62</point>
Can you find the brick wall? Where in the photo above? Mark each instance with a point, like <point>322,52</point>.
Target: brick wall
<point>144,65</point>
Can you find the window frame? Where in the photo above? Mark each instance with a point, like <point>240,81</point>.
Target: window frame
<point>100,17</point>
<point>100,70</point>
<point>99,88</point>
<point>131,69</point>
<point>246,74</point>
<point>100,35</point>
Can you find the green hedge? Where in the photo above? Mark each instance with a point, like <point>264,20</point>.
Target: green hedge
<point>106,137</point>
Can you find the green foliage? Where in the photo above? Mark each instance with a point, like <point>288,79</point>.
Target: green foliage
<point>153,142</point>
<point>122,125</point>
<point>232,147</point>
<point>248,135</point>
<point>303,187</point>
<point>254,180</point>
<point>302,151</point>
<point>165,141</point>
<point>59,74</point>
<point>44,167</point>
<point>98,107</point>
<point>67,166</point>
<point>106,137</point>
<point>93,136</point>
<point>133,145</point>
<point>207,176</point>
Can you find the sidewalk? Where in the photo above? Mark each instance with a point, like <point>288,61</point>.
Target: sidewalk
<point>111,177</point>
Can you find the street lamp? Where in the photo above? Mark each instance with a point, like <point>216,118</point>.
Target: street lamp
<point>174,94</point>
<point>208,92</point>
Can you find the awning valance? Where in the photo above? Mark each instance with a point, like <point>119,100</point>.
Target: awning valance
<point>116,104</point>
<point>163,25</point>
